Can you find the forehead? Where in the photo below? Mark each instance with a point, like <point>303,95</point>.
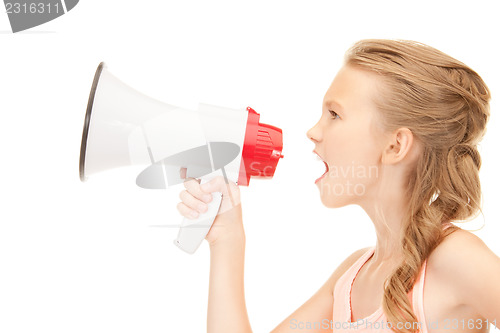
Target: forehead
<point>353,88</point>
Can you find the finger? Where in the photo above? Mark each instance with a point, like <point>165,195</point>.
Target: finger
<point>183,172</point>
<point>194,188</point>
<point>219,184</point>
<point>188,179</point>
<point>192,202</point>
<point>186,211</point>
<point>229,190</point>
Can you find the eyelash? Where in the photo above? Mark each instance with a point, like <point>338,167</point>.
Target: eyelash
<point>334,114</point>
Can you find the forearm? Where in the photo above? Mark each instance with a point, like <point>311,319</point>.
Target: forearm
<point>226,297</point>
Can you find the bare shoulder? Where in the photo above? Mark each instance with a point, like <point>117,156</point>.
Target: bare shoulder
<point>465,264</point>
<point>319,307</point>
<point>349,261</point>
<point>459,250</point>
<point>345,265</point>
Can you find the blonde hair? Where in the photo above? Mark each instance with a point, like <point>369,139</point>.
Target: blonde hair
<point>445,104</point>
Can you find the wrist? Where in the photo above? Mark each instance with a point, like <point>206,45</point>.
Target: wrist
<point>229,241</point>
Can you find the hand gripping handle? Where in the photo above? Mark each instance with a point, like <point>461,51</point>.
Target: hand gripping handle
<point>192,232</point>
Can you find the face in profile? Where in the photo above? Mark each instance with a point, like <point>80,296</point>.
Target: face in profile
<point>348,138</point>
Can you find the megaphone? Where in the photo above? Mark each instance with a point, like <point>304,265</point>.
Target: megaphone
<point>124,127</point>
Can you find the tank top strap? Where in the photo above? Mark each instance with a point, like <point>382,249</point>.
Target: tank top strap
<point>342,290</point>
<point>418,298</point>
<point>446,225</point>
<point>417,293</point>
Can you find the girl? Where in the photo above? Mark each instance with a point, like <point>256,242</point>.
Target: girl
<point>411,117</point>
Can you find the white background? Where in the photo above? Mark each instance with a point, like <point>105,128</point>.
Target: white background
<point>86,257</point>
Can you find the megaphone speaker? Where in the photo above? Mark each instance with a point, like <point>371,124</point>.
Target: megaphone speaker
<point>124,127</point>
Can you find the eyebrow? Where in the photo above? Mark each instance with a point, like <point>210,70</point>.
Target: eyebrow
<point>330,102</point>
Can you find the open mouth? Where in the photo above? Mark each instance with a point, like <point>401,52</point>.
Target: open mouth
<point>326,166</point>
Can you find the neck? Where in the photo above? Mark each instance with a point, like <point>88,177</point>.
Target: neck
<point>388,228</point>
<point>386,209</point>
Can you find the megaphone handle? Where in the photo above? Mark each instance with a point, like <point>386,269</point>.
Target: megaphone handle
<point>193,231</point>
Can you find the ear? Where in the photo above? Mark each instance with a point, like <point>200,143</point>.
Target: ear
<point>399,146</point>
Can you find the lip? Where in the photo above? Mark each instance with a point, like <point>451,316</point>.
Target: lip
<point>326,165</point>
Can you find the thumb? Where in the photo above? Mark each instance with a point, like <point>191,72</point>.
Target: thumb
<point>230,191</point>
<point>217,184</point>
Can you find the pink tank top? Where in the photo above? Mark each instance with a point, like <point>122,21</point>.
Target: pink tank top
<point>377,321</point>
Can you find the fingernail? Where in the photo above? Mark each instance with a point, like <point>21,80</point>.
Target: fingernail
<point>194,214</point>
<point>182,172</point>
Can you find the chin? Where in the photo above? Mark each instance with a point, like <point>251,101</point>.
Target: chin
<point>332,202</point>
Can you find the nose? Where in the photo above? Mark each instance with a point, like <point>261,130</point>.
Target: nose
<point>314,134</point>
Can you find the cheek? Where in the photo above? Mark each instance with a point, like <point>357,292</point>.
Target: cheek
<point>353,147</point>
<point>353,168</point>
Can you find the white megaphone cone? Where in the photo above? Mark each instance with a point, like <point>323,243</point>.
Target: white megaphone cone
<point>126,128</point>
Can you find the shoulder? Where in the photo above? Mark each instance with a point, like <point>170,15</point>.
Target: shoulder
<point>345,265</point>
<point>464,263</point>
<point>460,250</point>
<point>350,260</point>
<point>355,256</point>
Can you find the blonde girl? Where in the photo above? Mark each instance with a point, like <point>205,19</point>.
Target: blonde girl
<point>416,116</point>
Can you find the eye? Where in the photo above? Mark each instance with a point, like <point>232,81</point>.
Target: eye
<point>334,114</point>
